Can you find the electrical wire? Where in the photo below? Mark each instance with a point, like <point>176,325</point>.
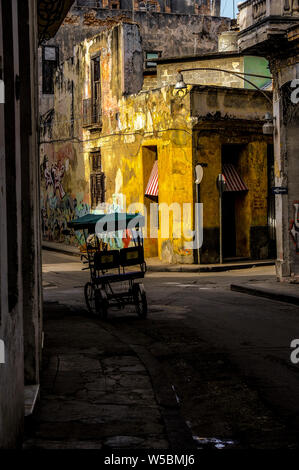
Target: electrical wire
<point>121,134</point>
<point>71,121</point>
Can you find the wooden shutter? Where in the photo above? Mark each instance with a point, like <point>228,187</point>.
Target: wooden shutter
<point>97,189</point>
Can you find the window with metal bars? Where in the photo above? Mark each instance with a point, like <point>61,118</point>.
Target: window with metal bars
<point>95,161</point>
<point>96,111</point>
<point>97,189</point>
<point>89,3</point>
<point>150,57</point>
<point>97,180</point>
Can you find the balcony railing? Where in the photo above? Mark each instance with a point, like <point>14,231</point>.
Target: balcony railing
<point>92,113</point>
<point>259,9</point>
<point>253,11</point>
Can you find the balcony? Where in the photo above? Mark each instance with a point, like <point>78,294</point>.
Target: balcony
<point>92,114</point>
<point>260,21</point>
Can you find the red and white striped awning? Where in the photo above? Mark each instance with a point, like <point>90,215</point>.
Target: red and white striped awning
<point>234,182</point>
<point>152,188</point>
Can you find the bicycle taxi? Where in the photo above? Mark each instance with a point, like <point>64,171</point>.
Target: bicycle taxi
<point>115,258</point>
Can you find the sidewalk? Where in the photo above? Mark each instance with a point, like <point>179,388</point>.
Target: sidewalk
<point>272,289</point>
<point>155,265</point>
<point>96,391</point>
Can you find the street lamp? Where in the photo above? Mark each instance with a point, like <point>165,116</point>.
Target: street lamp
<point>180,85</point>
<point>268,127</point>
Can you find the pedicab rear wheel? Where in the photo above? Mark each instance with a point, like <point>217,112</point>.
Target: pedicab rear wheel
<point>90,297</point>
<point>96,300</point>
<point>139,297</point>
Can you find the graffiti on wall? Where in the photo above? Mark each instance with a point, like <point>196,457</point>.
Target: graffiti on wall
<point>294,226</point>
<point>58,205</point>
<point>53,177</point>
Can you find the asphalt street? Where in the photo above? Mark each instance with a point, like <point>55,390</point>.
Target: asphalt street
<point>225,355</point>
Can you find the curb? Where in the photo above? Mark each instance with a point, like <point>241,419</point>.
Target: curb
<point>207,269</point>
<point>172,268</point>
<point>64,250</point>
<point>291,299</point>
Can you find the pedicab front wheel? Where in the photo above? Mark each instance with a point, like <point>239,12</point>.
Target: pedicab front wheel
<point>96,300</point>
<point>140,301</point>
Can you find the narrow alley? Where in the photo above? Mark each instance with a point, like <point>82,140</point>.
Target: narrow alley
<point>198,373</point>
<point>149,235</point>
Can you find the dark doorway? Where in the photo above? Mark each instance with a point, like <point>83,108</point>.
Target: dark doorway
<point>232,201</point>
<point>229,225</point>
<point>151,200</point>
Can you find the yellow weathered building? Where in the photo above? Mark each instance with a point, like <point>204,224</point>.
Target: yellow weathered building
<point>119,130</point>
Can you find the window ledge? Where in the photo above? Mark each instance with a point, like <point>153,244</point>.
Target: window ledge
<point>93,127</point>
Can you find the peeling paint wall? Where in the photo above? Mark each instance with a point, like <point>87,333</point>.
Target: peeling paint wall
<point>171,34</point>
<point>234,118</point>
<point>177,32</point>
<point>64,186</point>
<point>176,128</point>
<point>64,154</point>
<point>147,121</point>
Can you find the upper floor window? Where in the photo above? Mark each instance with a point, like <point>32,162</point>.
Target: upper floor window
<point>89,3</point>
<point>49,65</point>
<point>149,5</point>
<point>114,5</point>
<point>150,57</point>
<point>92,107</point>
<point>96,161</point>
<point>97,180</point>
<point>96,88</point>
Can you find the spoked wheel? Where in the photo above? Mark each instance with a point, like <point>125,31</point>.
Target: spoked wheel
<point>96,300</point>
<point>140,301</point>
<point>90,298</point>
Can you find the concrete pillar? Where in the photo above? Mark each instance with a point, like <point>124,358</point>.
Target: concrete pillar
<point>31,238</point>
<point>286,115</point>
<point>20,260</point>
<point>11,313</point>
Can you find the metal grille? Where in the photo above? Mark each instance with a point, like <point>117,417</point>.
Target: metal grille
<point>95,161</point>
<point>97,189</point>
<point>92,112</point>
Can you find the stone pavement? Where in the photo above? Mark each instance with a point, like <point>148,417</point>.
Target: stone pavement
<point>95,391</point>
<point>271,289</point>
<point>156,265</point>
